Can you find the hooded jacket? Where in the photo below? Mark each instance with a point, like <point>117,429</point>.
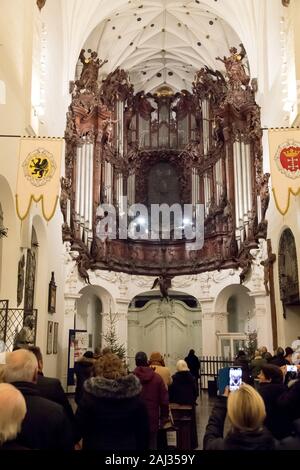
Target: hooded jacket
<point>235,440</point>
<point>154,394</point>
<point>111,415</point>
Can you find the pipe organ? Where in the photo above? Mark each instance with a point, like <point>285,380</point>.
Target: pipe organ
<point>191,147</point>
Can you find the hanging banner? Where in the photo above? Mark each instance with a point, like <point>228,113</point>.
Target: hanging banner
<point>284,147</point>
<point>38,175</point>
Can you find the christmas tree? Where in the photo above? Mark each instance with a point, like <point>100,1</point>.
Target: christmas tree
<point>111,338</point>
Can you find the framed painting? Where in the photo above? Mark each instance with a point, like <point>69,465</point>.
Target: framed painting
<point>49,337</point>
<point>55,338</point>
<point>52,295</point>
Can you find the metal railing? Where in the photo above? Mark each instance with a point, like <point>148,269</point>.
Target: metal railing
<point>12,321</point>
<point>209,369</point>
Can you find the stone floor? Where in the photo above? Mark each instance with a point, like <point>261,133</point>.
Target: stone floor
<point>203,410</point>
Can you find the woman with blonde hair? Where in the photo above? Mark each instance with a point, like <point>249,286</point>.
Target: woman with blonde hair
<point>246,413</point>
<point>111,415</point>
<point>12,413</point>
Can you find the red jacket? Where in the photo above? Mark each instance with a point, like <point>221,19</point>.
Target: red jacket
<point>154,395</point>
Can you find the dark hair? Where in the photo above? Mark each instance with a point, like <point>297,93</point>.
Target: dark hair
<point>268,356</point>
<point>241,353</point>
<point>141,359</point>
<point>288,351</point>
<point>192,351</point>
<point>273,373</point>
<point>88,354</point>
<point>37,352</point>
<point>280,352</point>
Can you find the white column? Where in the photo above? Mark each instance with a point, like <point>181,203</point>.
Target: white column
<point>209,338</point>
<point>240,183</point>
<point>87,189</point>
<point>262,319</point>
<point>245,181</point>
<point>236,183</point>
<point>70,309</point>
<point>82,184</point>
<point>90,218</point>
<point>249,179</point>
<point>78,180</point>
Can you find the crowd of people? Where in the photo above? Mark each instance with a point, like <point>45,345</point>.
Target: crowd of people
<point>264,413</point>
<point>121,410</point>
<point>116,409</point>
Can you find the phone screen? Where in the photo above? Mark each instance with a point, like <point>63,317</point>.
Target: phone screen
<point>235,378</point>
<point>291,368</point>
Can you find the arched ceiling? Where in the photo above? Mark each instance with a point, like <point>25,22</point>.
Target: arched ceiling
<point>162,41</point>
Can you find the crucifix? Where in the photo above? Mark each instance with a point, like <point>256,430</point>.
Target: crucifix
<point>268,265</point>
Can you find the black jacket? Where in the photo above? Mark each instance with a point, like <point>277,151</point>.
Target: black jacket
<point>275,420</point>
<point>183,389</point>
<point>111,415</point>
<point>83,369</point>
<point>235,440</point>
<point>193,364</point>
<point>45,425</point>
<point>291,442</point>
<point>51,389</point>
<point>289,402</point>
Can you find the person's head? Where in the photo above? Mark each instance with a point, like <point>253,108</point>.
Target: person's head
<point>89,354</point>
<point>257,353</point>
<point>21,366</point>
<point>12,412</point>
<point>263,350</point>
<point>38,354</point>
<point>182,366</point>
<point>106,350</point>
<point>289,353</point>
<point>156,359</point>
<point>271,374</point>
<point>241,353</point>
<point>268,356</point>
<point>279,352</point>
<point>141,359</point>
<point>192,352</point>
<point>109,366</point>
<point>246,409</point>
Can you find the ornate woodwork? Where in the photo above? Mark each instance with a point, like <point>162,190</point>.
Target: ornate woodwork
<point>288,270</point>
<point>211,137</point>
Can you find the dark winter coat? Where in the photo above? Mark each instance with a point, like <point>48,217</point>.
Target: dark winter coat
<point>289,403</point>
<point>278,361</point>
<point>183,389</point>
<point>83,369</point>
<point>51,389</point>
<point>275,420</point>
<point>45,425</point>
<point>155,396</point>
<point>291,442</point>
<point>111,415</point>
<point>235,440</point>
<point>193,364</point>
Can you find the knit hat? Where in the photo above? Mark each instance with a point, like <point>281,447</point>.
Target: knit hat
<point>156,357</point>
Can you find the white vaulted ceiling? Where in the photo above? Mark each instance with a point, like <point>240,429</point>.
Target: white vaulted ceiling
<point>162,41</point>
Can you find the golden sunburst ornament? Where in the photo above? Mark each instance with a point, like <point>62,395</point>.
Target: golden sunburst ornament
<point>39,167</point>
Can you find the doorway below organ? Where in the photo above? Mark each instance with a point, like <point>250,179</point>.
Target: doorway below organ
<point>171,327</point>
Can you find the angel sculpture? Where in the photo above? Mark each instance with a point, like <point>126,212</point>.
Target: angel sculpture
<point>164,284</point>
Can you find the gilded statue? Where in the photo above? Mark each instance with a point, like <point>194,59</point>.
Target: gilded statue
<point>235,68</point>
<point>89,74</point>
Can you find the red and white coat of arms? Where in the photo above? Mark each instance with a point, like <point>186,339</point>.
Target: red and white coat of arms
<point>288,159</point>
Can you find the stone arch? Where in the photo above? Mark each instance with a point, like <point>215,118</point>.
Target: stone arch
<point>95,302</point>
<point>234,300</point>
<point>8,262</point>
